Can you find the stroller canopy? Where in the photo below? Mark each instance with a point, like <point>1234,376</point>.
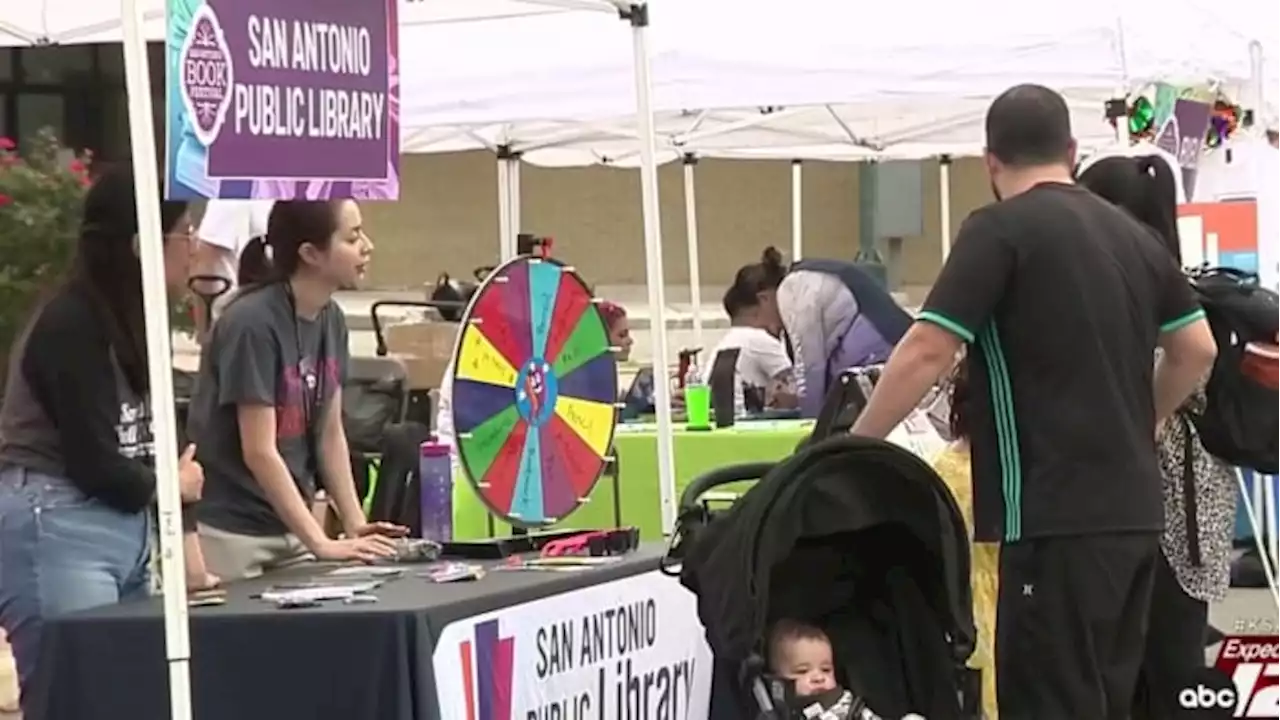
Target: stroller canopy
<point>782,539</point>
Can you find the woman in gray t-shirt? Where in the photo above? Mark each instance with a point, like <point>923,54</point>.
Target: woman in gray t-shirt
<point>267,412</point>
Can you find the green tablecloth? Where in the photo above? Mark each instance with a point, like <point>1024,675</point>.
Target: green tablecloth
<point>636,447</point>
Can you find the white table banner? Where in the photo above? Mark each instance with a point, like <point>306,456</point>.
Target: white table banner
<point>630,649</point>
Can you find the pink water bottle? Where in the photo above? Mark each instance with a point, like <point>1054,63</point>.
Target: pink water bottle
<point>435,490</point>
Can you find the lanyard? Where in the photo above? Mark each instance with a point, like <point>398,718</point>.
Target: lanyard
<point>310,378</point>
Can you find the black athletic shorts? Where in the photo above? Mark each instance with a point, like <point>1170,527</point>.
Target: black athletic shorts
<point>1071,625</point>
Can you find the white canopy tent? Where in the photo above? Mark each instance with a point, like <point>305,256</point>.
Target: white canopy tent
<point>889,86</point>
<point>65,22</point>
<point>136,21</point>
<point>800,85</point>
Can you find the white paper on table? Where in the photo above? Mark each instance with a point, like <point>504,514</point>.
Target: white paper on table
<point>364,571</point>
<point>319,593</point>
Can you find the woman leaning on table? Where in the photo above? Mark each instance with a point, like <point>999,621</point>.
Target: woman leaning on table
<point>1195,567</point>
<point>267,412</point>
<point>76,446</point>
<point>833,314</point>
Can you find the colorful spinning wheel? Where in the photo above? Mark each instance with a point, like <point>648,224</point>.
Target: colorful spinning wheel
<point>534,392</point>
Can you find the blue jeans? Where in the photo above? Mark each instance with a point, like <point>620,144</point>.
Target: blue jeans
<point>61,551</point>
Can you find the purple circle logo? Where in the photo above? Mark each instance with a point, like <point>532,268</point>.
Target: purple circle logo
<point>206,75</point>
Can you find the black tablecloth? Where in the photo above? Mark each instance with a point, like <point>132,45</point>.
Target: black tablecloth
<point>251,660</point>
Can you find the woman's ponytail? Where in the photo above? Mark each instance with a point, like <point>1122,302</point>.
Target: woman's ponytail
<point>772,266</point>
<point>1160,200</point>
<point>255,263</point>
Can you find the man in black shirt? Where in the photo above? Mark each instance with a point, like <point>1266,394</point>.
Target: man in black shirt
<point>1062,299</point>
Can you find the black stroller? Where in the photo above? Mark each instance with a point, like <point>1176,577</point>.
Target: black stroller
<point>856,536</point>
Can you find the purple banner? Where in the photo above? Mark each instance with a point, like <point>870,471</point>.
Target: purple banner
<point>1183,137</point>
<point>299,97</point>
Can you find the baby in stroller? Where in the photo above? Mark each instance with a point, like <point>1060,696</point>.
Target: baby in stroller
<point>801,654</point>
<point>845,568</point>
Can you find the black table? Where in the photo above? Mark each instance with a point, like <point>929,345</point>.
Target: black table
<point>252,660</point>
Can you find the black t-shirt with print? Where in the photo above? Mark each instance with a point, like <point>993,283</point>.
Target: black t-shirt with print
<point>261,353</point>
<point>1061,297</point>
<point>68,410</point>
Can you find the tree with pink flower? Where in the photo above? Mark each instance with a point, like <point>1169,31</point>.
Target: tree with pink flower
<point>42,187</point>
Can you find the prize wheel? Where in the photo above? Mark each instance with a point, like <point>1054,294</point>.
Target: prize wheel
<point>535,388</point>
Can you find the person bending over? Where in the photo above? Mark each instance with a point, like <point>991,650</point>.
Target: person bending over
<point>833,314</point>
<point>763,369</point>
<point>77,484</point>
<point>1062,298</point>
<point>267,412</point>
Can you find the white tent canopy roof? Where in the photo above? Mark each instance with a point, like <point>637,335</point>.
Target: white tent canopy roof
<point>54,22</point>
<point>884,76</point>
<point>823,79</point>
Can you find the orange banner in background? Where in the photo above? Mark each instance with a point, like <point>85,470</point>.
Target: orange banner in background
<point>1221,233</point>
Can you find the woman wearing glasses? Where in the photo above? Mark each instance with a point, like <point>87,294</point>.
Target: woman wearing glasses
<point>76,445</point>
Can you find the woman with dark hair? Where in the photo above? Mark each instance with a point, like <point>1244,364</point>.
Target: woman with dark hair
<point>253,268</point>
<point>835,317</point>
<point>763,370</point>
<point>1195,563</point>
<point>1145,186</point>
<point>267,413</point>
<point>76,448</point>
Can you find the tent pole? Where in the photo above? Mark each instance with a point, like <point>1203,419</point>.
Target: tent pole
<point>638,15</point>
<point>506,243</point>
<point>513,180</point>
<point>797,210</point>
<point>155,302</point>
<point>1269,522</point>
<point>1257,89</point>
<point>944,204</point>
<point>691,241</point>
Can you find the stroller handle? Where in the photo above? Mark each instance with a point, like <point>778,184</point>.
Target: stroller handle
<point>721,476</point>
<point>689,516</point>
<point>380,349</point>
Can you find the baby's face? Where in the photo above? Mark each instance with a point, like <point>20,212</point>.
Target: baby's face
<point>810,664</point>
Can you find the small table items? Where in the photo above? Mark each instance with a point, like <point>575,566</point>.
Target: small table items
<point>358,584</point>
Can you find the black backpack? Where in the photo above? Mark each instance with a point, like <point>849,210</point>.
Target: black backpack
<point>1239,422</point>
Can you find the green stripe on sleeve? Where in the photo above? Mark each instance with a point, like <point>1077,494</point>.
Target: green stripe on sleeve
<point>946,323</point>
<point>1185,320</point>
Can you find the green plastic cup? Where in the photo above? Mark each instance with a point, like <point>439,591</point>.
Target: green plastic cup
<point>697,406</point>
